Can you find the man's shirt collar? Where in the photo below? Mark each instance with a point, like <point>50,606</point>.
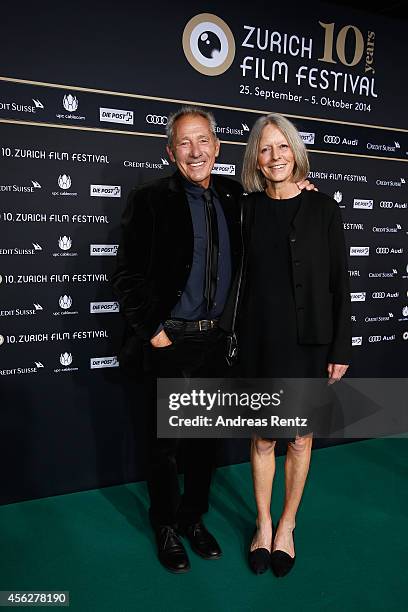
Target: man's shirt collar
<point>196,190</point>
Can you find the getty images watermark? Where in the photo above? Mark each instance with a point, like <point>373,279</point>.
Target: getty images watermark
<point>223,399</point>
<point>281,408</point>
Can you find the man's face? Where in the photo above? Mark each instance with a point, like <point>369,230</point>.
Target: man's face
<point>194,149</point>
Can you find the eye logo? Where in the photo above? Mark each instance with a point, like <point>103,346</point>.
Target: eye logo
<point>208,44</point>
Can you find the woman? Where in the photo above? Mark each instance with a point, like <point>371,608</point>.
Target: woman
<point>294,309</point>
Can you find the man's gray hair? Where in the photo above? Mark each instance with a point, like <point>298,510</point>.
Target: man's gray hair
<point>185,111</point>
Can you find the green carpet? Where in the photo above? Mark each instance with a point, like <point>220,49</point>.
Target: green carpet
<point>351,543</point>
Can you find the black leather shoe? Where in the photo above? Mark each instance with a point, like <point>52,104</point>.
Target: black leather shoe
<point>172,554</point>
<point>201,541</point>
<point>281,562</point>
<point>259,559</point>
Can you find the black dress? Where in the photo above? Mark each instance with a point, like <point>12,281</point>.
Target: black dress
<point>267,327</point>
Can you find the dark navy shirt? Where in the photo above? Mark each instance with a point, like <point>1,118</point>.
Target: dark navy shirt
<point>192,305</point>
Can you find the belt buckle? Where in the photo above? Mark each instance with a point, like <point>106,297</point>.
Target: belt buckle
<point>208,324</point>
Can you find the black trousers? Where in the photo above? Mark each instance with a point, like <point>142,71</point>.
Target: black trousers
<point>192,355</point>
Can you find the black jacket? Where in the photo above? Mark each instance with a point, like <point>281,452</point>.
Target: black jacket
<point>319,274</point>
<point>155,255</point>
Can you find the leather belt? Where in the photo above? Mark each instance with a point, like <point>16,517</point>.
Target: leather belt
<point>189,326</point>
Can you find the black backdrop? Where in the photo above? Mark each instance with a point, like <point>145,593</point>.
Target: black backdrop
<point>85,90</point>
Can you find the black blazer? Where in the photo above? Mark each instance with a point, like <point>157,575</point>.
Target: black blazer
<point>155,255</point>
<point>319,274</point>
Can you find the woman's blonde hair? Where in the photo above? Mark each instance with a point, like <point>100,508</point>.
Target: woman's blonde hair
<point>252,178</point>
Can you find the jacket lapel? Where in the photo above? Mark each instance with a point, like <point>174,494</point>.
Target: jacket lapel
<point>227,201</point>
<point>178,206</point>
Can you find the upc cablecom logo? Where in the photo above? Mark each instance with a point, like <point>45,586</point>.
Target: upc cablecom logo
<point>208,44</point>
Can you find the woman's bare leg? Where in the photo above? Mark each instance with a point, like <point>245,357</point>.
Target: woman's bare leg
<point>263,471</point>
<point>296,471</point>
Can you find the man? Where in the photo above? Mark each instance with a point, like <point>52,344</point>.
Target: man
<point>172,296</point>
<point>179,251</point>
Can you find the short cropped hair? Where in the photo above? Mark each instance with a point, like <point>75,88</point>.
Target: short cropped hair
<point>252,178</point>
<point>189,110</point>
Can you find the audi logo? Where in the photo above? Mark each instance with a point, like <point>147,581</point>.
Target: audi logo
<point>374,339</point>
<point>382,250</point>
<point>379,294</point>
<point>156,119</point>
<point>331,139</point>
<point>384,204</point>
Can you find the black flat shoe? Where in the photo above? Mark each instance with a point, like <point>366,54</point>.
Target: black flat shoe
<point>281,562</point>
<point>172,554</point>
<point>259,560</point>
<point>202,541</point>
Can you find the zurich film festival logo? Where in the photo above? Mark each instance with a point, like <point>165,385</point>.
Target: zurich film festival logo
<point>208,44</point>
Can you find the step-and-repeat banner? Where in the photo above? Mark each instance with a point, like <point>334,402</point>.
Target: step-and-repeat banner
<point>83,109</point>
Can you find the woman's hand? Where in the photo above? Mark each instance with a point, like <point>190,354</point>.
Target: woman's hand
<point>336,371</point>
<point>306,184</point>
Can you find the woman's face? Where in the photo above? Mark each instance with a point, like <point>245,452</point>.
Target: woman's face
<point>275,157</point>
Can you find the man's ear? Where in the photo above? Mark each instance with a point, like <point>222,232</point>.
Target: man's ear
<point>170,154</point>
<point>217,147</point>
